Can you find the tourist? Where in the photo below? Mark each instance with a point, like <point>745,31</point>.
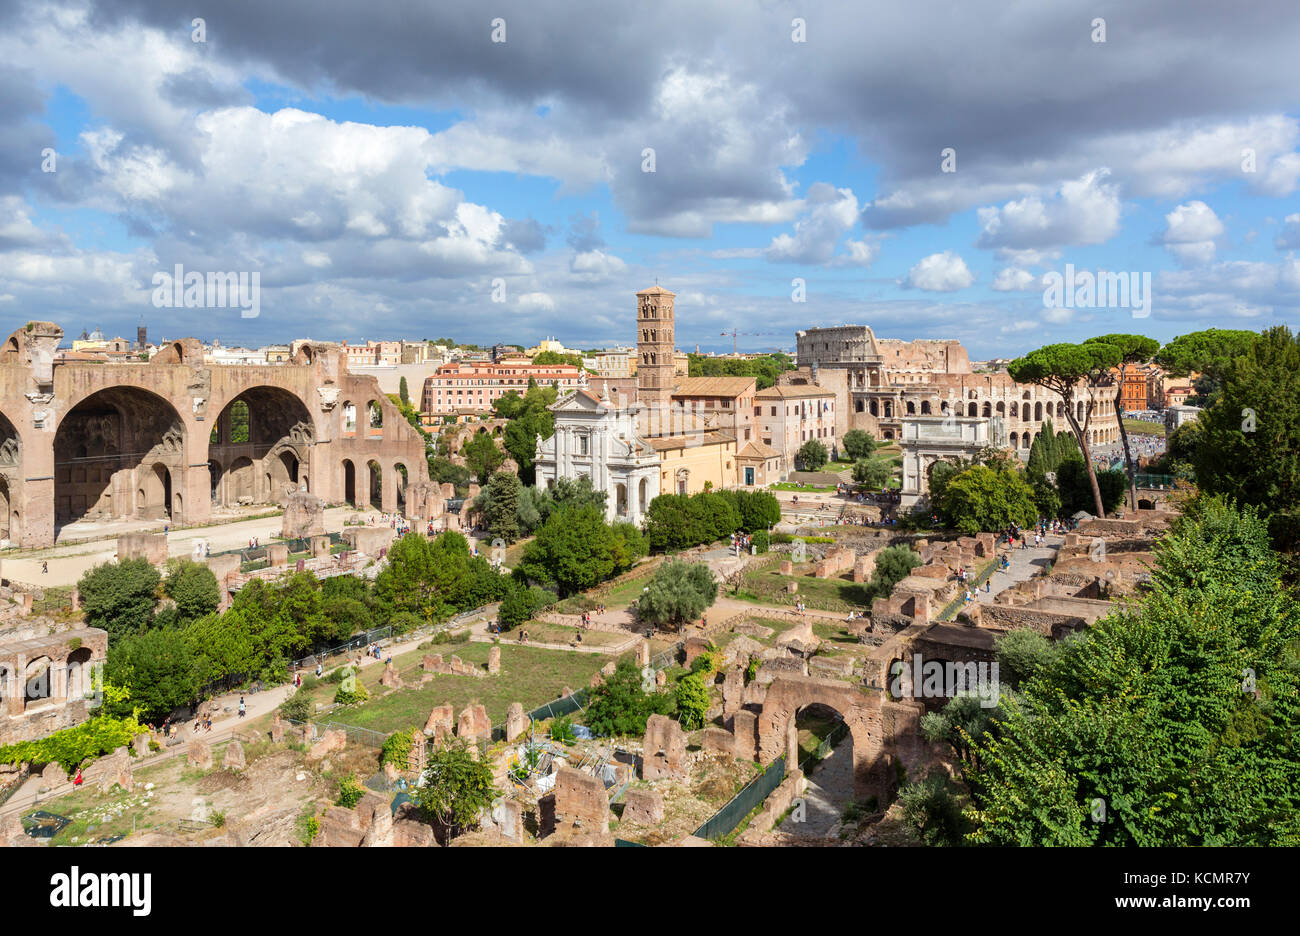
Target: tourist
<point>45,567</point>
<point>77,781</point>
<point>242,710</point>
<point>318,670</point>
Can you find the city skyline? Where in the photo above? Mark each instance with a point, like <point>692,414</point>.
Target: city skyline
<point>914,176</point>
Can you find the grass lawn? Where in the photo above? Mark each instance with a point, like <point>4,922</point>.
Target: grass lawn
<point>545,632</point>
<point>618,597</point>
<point>802,488</point>
<point>529,675</point>
<point>1142,427</point>
<point>834,594</point>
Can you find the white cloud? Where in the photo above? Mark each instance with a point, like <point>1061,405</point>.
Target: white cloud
<point>1082,211</point>
<point>941,272</point>
<point>1191,233</point>
<point>597,265</point>
<point>1012,280</point>
<point>829,214</point>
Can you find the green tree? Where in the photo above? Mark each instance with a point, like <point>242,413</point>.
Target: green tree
<point>764,369</point>
<point>403,393</point>
<point>893,565</point>
<point>1133,350</point>
<point>1061,368</point>
<point>499,504</point>
<point>576,549</point>
<point>872,472</point>
<point>933,807</point>
<point>981,499</point>
<point>457,789</point>
<point>158,668</point>
<point>529,419</point>
<point>858,444</point>
<point>618,706</point>
<point>812,456</point>
<point>422,574</point>
<point>692,697</point>
<point>193,587</point>
<point>1208,353</point>
<point>119,597</point>
<point>1250,435</point>
<point>1022,653</point>
<point>1176,713</point>
<point>521,604</point>
<point>679,592</point>
<point>1075,494</point>
<point>482,457</point>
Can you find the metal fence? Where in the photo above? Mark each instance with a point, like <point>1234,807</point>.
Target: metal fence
<point>742,804</point>
<point>355,734</point>
<point>1154,480</point>
<point>354,643</point>
<point>567,705</point>
<point>833,737</point>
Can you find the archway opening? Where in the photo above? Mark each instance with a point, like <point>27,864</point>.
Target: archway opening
<point>118,454</point>
<point>349,483</point>
<point>376,485</point>
<point>825,752</point>
<point>264,435</point>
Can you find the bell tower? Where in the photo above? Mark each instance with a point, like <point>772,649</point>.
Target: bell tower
<point>654,346</point>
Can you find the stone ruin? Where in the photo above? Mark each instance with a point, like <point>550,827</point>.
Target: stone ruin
<point>234,759</point>
<point>441,722</point>
<point>643,807</point>
<point>304,515</point>
<point>663,749</point>
<point>334,739</point>
<point>581,801</point>
<point>474,725</point>
<point>390,678</point>
<point>516,721</point>
<point>434,664</point>
<point>198,753</point>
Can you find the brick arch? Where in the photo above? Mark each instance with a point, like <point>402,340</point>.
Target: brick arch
<point>861,710</point>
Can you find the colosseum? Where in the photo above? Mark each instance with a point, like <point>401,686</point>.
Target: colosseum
<point>877,381</point>
<point>172,438</point>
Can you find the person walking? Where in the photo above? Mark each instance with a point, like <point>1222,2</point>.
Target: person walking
<point>242,710</point>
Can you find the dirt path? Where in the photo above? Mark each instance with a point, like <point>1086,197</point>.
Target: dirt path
<point>829,789</point>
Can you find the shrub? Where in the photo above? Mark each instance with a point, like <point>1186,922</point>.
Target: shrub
<point>346,696</point>
<point>692,701</point>
<point>562,730</point>
<point>760,541</point>
<point>217,817</point>
<point>619,705</point>
<point>297,707</point>
<point>350,793</point>
<point>397,749</point>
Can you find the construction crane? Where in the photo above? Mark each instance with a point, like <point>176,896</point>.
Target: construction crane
<point>733,333</point>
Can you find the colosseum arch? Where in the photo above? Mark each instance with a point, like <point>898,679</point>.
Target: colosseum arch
<point>119,453</point>
<point>260,444</point>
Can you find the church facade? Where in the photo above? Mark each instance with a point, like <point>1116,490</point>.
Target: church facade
<point>600,441</point>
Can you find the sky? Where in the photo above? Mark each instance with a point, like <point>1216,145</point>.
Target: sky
<point>518,170</point>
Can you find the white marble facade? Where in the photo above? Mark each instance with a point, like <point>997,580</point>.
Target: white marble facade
<point>598,440</point>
